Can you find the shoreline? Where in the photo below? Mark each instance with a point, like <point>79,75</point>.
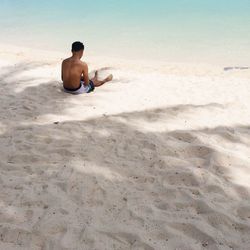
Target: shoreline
<point>9,52</point>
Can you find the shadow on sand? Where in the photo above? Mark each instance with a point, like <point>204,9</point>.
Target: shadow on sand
<point>103,182</point>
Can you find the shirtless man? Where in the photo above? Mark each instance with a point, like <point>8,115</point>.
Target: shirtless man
<point>75,74</point>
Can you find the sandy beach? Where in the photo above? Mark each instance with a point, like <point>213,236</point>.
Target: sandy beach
<point>157,159</point>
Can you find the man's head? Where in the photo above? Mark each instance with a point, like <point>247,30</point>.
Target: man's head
<point>77,48</point>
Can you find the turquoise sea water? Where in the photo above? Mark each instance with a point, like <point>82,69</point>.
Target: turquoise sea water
<point>171,30</point>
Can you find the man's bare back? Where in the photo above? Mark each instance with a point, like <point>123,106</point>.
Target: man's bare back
<point>75,72</point>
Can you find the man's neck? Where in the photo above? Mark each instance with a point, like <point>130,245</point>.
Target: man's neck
<point>76,56</point>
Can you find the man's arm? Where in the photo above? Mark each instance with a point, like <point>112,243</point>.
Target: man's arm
<point>85,73</point>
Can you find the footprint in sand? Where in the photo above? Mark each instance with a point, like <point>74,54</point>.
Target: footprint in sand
<point>183,136</point>
<point>244,212</point>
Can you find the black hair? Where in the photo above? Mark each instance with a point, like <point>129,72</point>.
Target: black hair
<point>77,46</point>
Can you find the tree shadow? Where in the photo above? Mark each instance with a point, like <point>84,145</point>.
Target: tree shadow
<point>25,97</point>
<point>102,182</point>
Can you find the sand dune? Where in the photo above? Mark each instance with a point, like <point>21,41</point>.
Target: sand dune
<point>149,161</point>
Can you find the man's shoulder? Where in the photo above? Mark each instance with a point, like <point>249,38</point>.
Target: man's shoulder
<point>84,64</point>
<point>65,60</point>
<point>75,62</point>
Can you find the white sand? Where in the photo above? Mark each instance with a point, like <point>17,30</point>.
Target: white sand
<point>157,159</point>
